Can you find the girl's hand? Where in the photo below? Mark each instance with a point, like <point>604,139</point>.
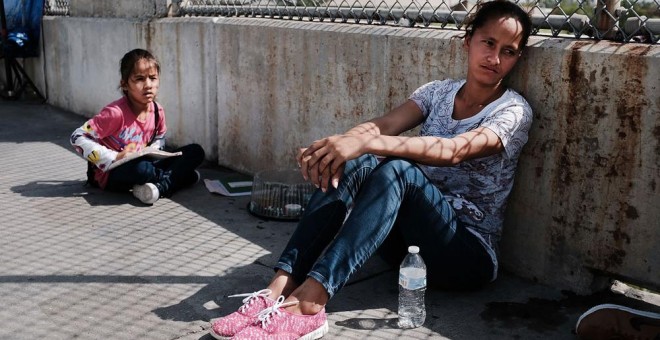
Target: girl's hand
<point>125,151</point>
<point>324,160</point>
<point>122,154</point>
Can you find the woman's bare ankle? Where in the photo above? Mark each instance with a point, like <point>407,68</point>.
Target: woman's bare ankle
<point>310,308</point>
<point>282,284</point>
<point>311,297</point>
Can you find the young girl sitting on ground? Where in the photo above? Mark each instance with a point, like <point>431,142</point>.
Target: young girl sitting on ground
<point>128,125</point>
<point>444,191</point>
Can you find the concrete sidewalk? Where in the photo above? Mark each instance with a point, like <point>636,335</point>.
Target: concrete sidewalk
<point>79,263</point>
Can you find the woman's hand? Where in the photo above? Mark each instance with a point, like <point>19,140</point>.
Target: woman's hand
<point>323,161</point>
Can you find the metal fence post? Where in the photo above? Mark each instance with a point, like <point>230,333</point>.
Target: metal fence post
<point>606,18</point>
<point>173,8</point>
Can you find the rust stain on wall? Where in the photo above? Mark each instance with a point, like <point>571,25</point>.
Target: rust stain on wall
<point>639,50</point>
<point>270,108</point>
<point>656,135</point>
<point>613,258</point>
<point>428,57</point>
<point>597,155</point>
<point>355,82</point>
<point>179,80</point>
<point>631,104</point>
<point>620,236</point>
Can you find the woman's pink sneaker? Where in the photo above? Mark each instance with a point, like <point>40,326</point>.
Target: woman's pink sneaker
<point>226,327</point>
<point>276,323</point>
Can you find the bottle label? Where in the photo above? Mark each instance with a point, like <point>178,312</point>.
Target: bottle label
<point>412,278</point>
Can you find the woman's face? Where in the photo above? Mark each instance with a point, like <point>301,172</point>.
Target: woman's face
<point>141,87</point>
<point>493,50</point>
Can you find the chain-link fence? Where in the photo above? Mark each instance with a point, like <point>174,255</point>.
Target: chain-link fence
<point>619,20</point>
<point>58,7</point>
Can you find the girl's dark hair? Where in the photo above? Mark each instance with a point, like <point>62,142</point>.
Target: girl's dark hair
<point>131,58</point>
<point>499,9</point>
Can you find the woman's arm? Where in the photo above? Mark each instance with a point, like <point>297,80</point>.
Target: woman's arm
<point>401,119</point>
<point>437,151</point>
<point>323,161</point>
<point>325,158</point>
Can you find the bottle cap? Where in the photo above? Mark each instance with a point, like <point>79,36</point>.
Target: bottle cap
<point>413,249</point>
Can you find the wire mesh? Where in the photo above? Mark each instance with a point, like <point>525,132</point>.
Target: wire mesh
<point>56,7</point>
<point>618,20</point>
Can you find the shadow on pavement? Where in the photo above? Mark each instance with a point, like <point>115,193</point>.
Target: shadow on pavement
<point>78,188</point>
<point>237,257</point>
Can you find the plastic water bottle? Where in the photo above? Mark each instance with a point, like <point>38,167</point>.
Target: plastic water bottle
<point>412,286</point>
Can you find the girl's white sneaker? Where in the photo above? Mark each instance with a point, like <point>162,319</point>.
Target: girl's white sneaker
<point>147,193</point>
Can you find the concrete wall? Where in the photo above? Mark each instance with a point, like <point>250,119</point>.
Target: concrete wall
<point>119,8</point>
<point>588,191</point>
<point>251,91</point>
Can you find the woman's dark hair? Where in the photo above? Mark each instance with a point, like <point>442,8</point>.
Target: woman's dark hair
<point>499,9</point>
<point>131,58</point>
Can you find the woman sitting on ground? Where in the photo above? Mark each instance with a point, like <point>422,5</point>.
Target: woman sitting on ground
<point>444,191</point>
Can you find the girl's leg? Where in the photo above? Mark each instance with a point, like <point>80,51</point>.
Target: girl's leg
<point>319,224</point>
<point>138,171</point>
<point>179,172</point>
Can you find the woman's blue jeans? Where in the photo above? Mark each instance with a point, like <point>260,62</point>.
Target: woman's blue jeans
<point>393,205</point>
<point>168,174</point>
